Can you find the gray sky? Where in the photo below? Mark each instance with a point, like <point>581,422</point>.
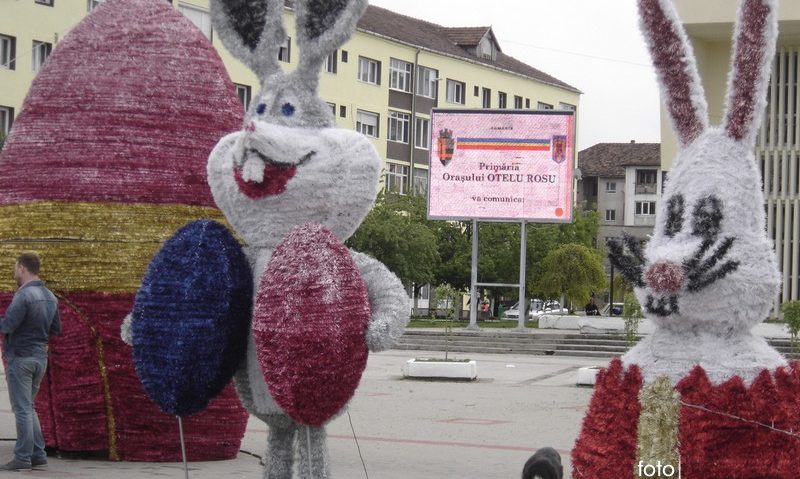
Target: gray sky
<point>594,45</point>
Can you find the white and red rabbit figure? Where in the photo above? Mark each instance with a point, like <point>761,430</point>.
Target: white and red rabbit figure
<point>702,394</point>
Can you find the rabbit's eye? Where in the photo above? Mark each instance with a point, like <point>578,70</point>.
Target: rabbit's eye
<point>261,108</point>
<point>675,209</point>
<point>707,219</point>
<point>287,109</point>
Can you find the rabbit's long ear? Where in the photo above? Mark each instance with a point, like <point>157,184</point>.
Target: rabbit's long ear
<point>322,27</point>
<point>252,30</point>
<point>673,58</point>
<point>756,36</point>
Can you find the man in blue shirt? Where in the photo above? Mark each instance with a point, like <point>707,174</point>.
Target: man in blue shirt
<point>30,320</point>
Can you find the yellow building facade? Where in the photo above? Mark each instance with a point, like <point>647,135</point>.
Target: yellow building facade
<point>710,26</point>
<point>383,82</point>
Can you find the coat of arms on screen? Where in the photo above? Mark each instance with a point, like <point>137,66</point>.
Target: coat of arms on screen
<point>447,146</point>
<point>559,148</point>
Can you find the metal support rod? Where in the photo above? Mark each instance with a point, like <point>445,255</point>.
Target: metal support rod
<point>502,285</point>
<point>183,447</point>
<point>473,289</point>
<point>611,293</point>
<point>308,443</point>
<point>523,253</point>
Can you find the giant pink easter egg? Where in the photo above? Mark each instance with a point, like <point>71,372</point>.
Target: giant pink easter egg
<point>309,322</point>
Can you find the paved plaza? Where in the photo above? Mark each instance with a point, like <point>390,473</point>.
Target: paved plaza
<point>406,429</point>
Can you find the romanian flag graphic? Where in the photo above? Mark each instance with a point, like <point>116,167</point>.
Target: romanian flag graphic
<point>514,144</point>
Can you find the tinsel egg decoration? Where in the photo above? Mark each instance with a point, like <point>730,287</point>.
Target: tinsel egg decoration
<point>191,318</point>
<point>105,161</point>
<point>310,318</point>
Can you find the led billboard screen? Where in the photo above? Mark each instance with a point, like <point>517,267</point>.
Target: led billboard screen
<point>501,165</point>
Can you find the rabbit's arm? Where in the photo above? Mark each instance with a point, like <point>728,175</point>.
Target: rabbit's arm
<point>391,306</point>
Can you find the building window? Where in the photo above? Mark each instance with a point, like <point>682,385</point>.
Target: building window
<point>367,123</point>
<point>611,215</point>
<point>422,134</point>
<point>611,186</point>
<point>343,111</point>
<point>200,18</point>
<point>487,98</point>
<point>244,94</point>
<point>646,177</point>
<point>400,75</point>
<point>333,108</point>
<point>566,106</point>
<point>543,106</point>
<point>48,3</point>
<point>285,51</point>
<point>345,56</point>
<point>41,50</point>
<point>528,103</point>
<point>398,126</point>
<point>477,90</point>
<point>8,52</point>
<point>646,182</point>
<point>330,63</point>
<point>455,92</point>
<point>420,181</point>
<point>517,102</point>
<point>6,118</point>
<point>92,4</point>
<point>645,208</point>
<point>369,70</point>
<point>502,100</point>
<point>427,79</point>
<point>397,179</point>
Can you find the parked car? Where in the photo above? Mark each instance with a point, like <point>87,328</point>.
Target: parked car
<point>618,309</point>
<point>537,308</point>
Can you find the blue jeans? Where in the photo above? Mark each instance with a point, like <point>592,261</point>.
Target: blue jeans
<point>24,375</point>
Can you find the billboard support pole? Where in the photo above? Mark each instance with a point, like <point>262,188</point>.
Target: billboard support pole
<point>473,288</point>
<point>523,252</point>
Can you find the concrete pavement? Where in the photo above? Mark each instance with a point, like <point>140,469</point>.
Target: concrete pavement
<point>406,429</point>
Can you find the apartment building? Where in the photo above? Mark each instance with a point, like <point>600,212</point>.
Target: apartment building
<point>623,183</point>
<point>383,82</point>
<point>710,26</point>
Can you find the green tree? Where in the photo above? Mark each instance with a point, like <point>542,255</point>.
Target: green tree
<point>632,315</point>
<point>396,234</point>
<point>791,314</point>
<point>573,270</point>
<point>544,238</point>
<point>448,295</point>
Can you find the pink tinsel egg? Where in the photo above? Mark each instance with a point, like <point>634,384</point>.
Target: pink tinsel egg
<point>311,314</point>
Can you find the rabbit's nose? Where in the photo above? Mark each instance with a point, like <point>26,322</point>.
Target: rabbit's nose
<point>665,277</point>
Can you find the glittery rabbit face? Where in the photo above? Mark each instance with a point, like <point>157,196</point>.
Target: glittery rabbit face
<point>709,264</point>
<point>289,166</point>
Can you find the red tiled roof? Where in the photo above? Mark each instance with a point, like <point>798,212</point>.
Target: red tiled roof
<point>466,36</point>
<point>608,160</point>
<point>437,38</point>
<point>446,40</point>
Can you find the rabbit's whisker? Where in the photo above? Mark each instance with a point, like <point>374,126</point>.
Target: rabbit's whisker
<point>699,271</point>
<point>712,277</point>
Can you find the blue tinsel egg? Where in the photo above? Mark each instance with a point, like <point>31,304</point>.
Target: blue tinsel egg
<point>191,317</point>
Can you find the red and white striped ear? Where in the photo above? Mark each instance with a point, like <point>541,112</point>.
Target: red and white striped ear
<point>673,58</point>
<point>756,37</point>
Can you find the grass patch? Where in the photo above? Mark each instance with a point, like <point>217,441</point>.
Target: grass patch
<point>497,324</point>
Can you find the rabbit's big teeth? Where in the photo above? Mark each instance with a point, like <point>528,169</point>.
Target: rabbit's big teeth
<point>253,170</point>
<point>665,277</point>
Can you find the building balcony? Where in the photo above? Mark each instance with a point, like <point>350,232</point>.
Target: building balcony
<point>644,220</point>
<point>646,188</point>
